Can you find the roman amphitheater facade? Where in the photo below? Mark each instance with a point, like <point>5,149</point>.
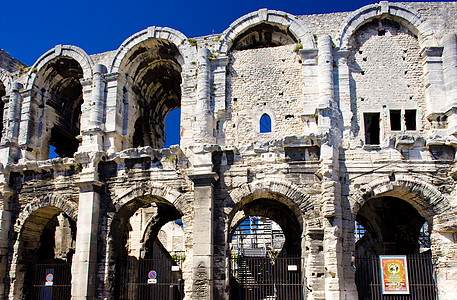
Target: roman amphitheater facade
<point>361,128</point>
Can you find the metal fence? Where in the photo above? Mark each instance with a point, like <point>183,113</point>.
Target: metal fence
<point>262,278</point>
<point>421,278</point>
<point>50,282</point>
<point>158,279</point>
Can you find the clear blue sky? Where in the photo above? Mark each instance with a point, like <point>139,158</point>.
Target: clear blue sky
<point>30,28</point>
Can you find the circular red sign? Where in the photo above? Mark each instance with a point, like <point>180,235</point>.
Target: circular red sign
<point>49,277</point>
<point>152,274</point>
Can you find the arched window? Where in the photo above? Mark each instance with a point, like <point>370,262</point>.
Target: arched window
<point>265,124</point>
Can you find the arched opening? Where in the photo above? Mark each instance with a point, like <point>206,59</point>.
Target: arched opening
<point>2,106</point>
<point>147,236</point>
<point>173,128</point>
<point>265,252</point>
<point>153,86</point>
<point>391,226</point>
<point>263,35</point>
<point>59,93</point>
<point>265,124</point>
<point>46,246</point>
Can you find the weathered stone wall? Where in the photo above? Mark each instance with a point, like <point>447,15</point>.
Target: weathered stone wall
<point>314,174</point>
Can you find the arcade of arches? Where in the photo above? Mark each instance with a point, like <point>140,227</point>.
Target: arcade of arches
<point>306,148</point>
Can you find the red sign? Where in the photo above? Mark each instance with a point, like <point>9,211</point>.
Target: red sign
<point>152,274</point>
<point>49,277</point>
<point>394,274</point>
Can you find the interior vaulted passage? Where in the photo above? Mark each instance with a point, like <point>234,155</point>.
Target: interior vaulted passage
<point>153,88</point>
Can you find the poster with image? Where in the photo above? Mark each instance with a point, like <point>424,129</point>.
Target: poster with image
<point>394,271</point>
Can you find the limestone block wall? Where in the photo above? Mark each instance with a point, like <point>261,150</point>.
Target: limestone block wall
<point>116,194</point>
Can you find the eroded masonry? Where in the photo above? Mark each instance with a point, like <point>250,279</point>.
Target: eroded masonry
<point>309,146</point>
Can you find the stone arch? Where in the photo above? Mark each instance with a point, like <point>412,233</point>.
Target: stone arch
<point>285,194</point>
<point>295,25</point>
<point>396,11</point>
<point>166,33</point>
<point>150,189</point>
<point>424,197</point>
<point>5,78</point>
<point>73,52</point>
<point>36,213</point>
<point>69,207</point>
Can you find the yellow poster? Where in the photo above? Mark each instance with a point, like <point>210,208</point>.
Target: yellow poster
<point>394,274</point>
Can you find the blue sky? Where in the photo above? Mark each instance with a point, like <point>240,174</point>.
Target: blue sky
<point>30,28</point>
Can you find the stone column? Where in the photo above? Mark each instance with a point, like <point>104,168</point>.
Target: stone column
<point>433,70</point>
<point>92,120</point>
<point>9,147</point>
<point>203,125</point>
<point>203,244</point>
<point>5,228</point>
<point>329,116</point>
<point>84,261</point>
<point>450,78</point>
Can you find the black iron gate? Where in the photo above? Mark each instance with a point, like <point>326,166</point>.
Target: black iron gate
<point>258,278</point>
<point>50,282</point>
<point>158,279</point>
<point>421,278</point>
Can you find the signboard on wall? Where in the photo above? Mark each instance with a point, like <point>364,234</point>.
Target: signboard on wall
<point>394,272</point>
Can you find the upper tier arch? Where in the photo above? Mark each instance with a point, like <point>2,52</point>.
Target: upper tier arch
<point>166,33</point>
<point>395,11</point>
<point>74,52</point>
<point>300,31</point>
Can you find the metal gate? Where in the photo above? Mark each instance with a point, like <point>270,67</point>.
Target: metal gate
<point>262,278</point>
<point>158,279</point>
<point>50,282</point>
<point>421,278</point>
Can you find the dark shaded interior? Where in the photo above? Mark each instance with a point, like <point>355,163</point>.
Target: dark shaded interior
<point>63,92</point>
<point>44,249</point>
<point>263,35</point>
<point>154,73</point>
<point>392,227</point>
<point>126,265</point>
<point>371,128</point>
<point>395,119</point>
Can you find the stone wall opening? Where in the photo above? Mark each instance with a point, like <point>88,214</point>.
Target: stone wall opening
<point>153,74</point>
<point>46,245</point>
<point>147,234</point>
<point>263,35</point>
<point>392,227</point>
<point>59,94</point>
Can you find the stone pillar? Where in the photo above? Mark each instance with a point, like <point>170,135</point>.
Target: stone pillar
<point>433,69</point>
<point>325,82</point>
<point>203,243</point>
<point>203,125</point>
<point>92,120</point>
<point>450,78</point>
<point>329,116</point>
<point>98,97</point>
<point>9,151</point>
<point>325,71</point>
<point>84,261</point>
<point>5,228</point>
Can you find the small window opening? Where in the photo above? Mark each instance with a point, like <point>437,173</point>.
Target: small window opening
<point>265,124</point>
<point>371,128</point>
<point>381,32</point>
<point>173,127</point>
<point>410,119</point>
<point>395,119</point>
